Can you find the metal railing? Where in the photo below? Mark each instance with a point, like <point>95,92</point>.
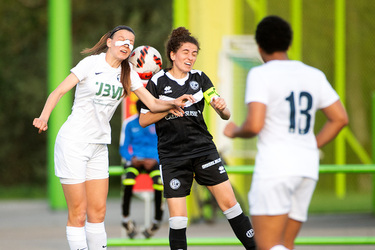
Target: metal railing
<point>232,241</point>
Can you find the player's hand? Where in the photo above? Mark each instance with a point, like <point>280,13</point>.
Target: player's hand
<point>177,112</point>
<point>40,124</point>
<point>137,163</point>
<point>182,100</point>
<point>230,129</point>
<point>218,103</point>
<point>149,163</point>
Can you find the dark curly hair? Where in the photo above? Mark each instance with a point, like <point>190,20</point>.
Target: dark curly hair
<point>178,37</point>
<point>273,34</point>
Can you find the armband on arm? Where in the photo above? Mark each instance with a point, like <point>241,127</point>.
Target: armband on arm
<point>209,94</point>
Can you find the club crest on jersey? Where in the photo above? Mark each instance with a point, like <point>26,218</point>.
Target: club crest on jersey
<point>118,77</point>
<point>250,233</point>
<point>167,90</point>
<point>194,85</point>
<point>174,184</point>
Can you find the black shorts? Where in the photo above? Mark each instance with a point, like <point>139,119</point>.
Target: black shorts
<point>177,176</point>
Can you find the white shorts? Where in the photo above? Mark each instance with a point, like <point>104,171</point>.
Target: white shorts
<point>77,162</point>
<point>283,195</point>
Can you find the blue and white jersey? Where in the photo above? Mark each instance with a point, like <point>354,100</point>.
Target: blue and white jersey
<point>292,93</point>
<point>136,141</point>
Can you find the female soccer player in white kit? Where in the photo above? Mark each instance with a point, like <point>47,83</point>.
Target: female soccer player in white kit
<point>282,97</point>
<point>81,154</point>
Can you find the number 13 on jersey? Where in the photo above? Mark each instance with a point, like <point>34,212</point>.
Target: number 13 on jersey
<point>300,109</point>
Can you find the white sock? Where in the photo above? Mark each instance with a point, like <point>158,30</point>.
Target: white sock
<point>233,211</point>
<point>96,236</point>
<point>279,247</point>
<point>76,238</point>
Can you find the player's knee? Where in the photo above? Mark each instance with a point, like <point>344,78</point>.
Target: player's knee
<point>156,179</point>
<point>178,222</point>
<point>130,175</point>
<point>77,218</point>
<point>233,212</point>
<point>96,213</point>
<point>157,187</point>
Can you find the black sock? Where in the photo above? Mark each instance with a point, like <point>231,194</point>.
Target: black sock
<point>158,205</point>
<point>128,192</point>
<point>177,239</point>
<point>242,228</point>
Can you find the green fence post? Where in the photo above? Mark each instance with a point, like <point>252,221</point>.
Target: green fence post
<point>59,62</point>
<point>373,149</point>
<point>340,60</point>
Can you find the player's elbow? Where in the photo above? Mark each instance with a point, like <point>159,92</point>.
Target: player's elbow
<point>344,120</point>
<point>254,130</point>
<point>253,127</point>
<point>143,123</point>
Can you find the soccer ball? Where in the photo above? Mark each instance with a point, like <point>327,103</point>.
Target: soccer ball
<point>146,61</point>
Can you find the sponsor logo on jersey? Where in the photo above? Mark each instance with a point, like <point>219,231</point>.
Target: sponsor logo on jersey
<point>221,169</point>
<point>174,184</point>
<point>250,233</point>
<point>110,90</point>
<point>194,85</point>
<point>211,163</point>
<point>98,73</point>
<point>167,90</point>
<point>118,77</point>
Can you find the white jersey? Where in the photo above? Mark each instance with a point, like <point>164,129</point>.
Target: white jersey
<point>97,96</point>
<point>292,93</point>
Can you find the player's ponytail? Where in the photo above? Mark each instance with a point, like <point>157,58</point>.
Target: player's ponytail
<point>100,47</point>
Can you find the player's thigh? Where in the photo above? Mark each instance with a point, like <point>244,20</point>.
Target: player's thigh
<point>75,195</point>
<point>224,195</point>
<point>177,206</point>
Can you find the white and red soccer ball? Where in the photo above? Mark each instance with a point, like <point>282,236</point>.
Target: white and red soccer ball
<point>146,61</point>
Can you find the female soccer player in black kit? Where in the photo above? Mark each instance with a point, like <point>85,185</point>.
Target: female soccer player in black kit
<point>186,150</point>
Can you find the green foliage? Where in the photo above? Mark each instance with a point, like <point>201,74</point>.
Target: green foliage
<point>23,72</point>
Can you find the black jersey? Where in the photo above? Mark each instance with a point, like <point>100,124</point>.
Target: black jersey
<point>187,136</point>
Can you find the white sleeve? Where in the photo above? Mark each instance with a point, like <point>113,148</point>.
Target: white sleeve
<point>136,81</point>
<point>82,69</point>
<point>327,94</point>
<point>256,89</point>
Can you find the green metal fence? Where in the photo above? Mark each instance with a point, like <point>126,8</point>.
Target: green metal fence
<point>231,241</point>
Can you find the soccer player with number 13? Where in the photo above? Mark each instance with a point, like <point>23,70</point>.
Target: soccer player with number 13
<point>282,97</point>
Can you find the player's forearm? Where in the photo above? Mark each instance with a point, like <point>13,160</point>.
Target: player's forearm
<point>243,132</point>
<point>150,118</point>
<point>224,114</point>
<point>161,105</point>
<point>51,103</point>
<point>329,132</point>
